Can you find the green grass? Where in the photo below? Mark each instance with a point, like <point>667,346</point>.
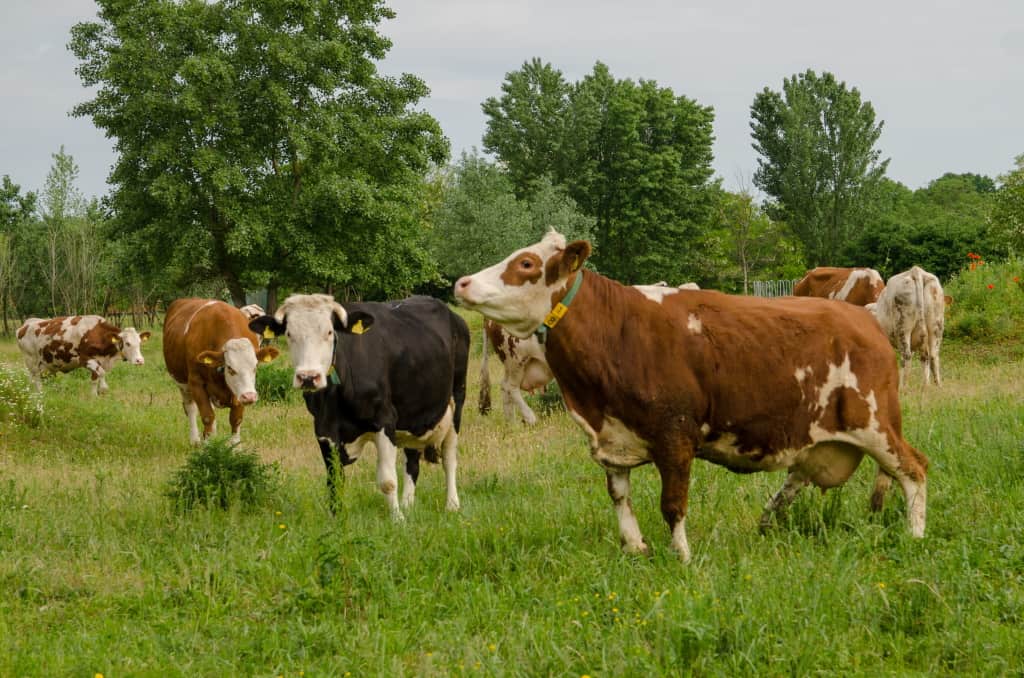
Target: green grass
<point>100,574</point>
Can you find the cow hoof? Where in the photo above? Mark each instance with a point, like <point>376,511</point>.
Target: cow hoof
<point>407,502</point>
<point>641,549</point>
<point>452,505</point>
<point>397,516</point>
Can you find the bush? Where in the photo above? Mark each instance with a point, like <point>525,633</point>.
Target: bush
<point>20,402</point>
<point>988,301</point>
<point>274,384</point>
<point>220,475</point>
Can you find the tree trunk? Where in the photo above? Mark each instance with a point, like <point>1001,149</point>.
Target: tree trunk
<point>272,289</point>
<point>236,290</point>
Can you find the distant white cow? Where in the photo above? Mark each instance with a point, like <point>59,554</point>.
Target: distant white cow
<point>911,310</point>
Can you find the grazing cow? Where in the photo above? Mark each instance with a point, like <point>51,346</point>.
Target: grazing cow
<point>66,343</point>
<point>526,368</point>
<point>393,374</point>
<point>912,311</point>
<point>752,384</point>
<point>212,357</point>
<point>859,286</point>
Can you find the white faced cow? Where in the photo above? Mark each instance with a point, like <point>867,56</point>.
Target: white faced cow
<point>912,311</point>
<point>393,374</point>
<point>212,357</point>
<point>801,384</point>
<point>67,343</point>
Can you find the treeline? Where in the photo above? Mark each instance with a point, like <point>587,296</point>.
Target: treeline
<point>263,150</point>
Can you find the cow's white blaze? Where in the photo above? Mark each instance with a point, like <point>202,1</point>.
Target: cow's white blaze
<point>240,369</point>
<point>131,346</point>
<point>519,308</point>
<point>310,332</point>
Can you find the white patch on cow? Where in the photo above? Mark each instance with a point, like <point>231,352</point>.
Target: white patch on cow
<point>679,543</point>
<point>615,444</point>
<point>310,332</point>
<point>192,317</point>
<point>432,438</point>
<point>629,529</point>
<point>725,451</point>
<point>801,373</point>
<point>851,281</point>
<point>839,376</point>
<point>520,309</point>
<point>656,293</point>
<point>240,368</point>
<point>387,476</point>
<point>693,324</point>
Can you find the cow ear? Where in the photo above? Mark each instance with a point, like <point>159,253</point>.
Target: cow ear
<point>144,337</point>
<point>359,322</point>
<point>573,256</point>
<point>267,326</point>
<point>116,340</point>
<point>211,358</point>
<point>267,354</point>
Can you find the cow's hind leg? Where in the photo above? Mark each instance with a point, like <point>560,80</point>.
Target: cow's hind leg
<point>99,381</point>
<point>412,474</point>
<point>629,529</point>
<point>450,462</point>
<point>781,500</point>
<point>883,481</point>
<point>387,475</point>
<point>909,467</point>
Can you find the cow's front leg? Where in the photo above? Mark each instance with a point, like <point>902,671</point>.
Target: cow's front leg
<point>99,381</point>
<point>206,413</point>
<point>781,500</point>
<point>412,474</point>
<point>675,491</point>
<point>629,530</point>
<point>235,417</point>
<point>192,412</point>
<point>387,475</point>
<point>450,461</point>
<point>333,471</point>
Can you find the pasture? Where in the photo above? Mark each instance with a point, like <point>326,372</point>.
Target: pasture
<point>99,573</point>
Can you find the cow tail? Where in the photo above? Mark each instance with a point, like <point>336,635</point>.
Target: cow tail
<point>484,399</point>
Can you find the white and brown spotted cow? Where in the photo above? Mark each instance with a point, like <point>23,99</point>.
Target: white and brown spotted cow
<point>912,311</point>
<point>63,344</point>
<point>860,286</point>
<point>525,367</point>
<point>212,356</point>
<point>798,384</point>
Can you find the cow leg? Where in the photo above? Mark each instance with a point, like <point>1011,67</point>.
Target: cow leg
<point>206,413</point>
<point>99,382</point>
<point>412,474</point>
<point>675,489</point>
<point>387,476</point>
<point>936,372</point>
<point>235,417</point>
<point>908,466</point>
<point>629,530</point>
<point>778,504</point>
<point>528,416</point>
<point>883,481</point>
<point>192,412</point>
<point>450,462</point>
<point>916,493</point>
<point>907,358</point>
<point>333,471</point>
<point>35,372</point>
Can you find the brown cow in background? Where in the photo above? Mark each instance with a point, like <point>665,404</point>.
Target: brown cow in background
<point>860,286</point>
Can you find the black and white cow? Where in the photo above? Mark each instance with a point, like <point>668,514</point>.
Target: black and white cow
<point>393,374</point>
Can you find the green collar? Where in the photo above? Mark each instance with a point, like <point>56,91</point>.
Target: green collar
<point>559,310</point>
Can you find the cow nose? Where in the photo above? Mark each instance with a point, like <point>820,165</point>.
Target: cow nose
<point>462,285</point>
<point>308,379</point>
<point>248,398</point>
<point>140,361</point>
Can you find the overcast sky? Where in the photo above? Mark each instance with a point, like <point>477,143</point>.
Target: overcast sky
<point>946,77</point>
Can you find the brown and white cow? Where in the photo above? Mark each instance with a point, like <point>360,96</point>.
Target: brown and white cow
<point>525,367</point>
<point>67,343</point>
<point>912,311</point>
<point>212,355</point>
<point>860,286</point>
<point>805,385</point>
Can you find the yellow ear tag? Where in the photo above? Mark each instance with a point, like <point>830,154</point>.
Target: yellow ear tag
<point>267,357</point>
<point>575,263</point>
<point>268,333</point>
<point>207,360</point>
<point>358,327</point>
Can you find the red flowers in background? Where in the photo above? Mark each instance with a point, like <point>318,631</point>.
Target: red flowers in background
<point>991,286</point>
<point>976,260</point>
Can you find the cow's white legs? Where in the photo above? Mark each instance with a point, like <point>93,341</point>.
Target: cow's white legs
<point>192,412</point>
<point>387,475</point>
<point>936,371</point>
<point>450,461</point>
<point>35,371</point>
<point>99,380</point>
<point>916,493</point>
<point>517,397</point>
<point>782,499</point>
<point>409,482</point>
<point>629,529</point>
<point>907,358</point>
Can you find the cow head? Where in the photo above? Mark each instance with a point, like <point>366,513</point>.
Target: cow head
<point>310,322</point>
<point>517,292</point>
<point>238,360</point>
<point>130,342</point>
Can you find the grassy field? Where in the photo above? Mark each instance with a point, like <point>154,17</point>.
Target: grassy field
<point>99,573</point>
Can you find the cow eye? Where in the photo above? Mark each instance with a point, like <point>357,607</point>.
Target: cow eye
<point>231,372</point>
<point>527,264</point>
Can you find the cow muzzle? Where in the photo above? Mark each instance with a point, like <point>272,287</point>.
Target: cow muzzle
<point>248,398</point>
<point>309,379</point>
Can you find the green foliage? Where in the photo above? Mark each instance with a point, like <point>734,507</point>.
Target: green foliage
<point>634,156</point>
<point>988,301</point>
<point>258,145</point>
<point>21,404</point>
<point>818,163</point>
<point>219,475</point>
<point>1008,210</point>
<point>274,384</point>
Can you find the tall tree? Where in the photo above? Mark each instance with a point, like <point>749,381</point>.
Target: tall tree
<point>257,142</point>
<point>819,163</point>
<point>1008,210</point>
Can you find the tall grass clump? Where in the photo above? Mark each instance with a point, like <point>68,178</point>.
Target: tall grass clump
<point>988,301</point>
<point>274,384</point>
<point>220,475</point>
<point>20,403</point>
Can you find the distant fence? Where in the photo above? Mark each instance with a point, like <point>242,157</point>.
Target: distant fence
<point>773,288</point>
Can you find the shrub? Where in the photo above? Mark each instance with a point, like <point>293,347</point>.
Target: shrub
<point>218,474</point>
<point>20,402</point>
<point>988,301</point>
<point>274,384</point>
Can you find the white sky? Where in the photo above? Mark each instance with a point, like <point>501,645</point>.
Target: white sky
<point>946,77</point>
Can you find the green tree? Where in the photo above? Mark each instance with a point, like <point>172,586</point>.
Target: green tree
<point>1008,209</point>
<point>818,164</point>
<point>257,143</point>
